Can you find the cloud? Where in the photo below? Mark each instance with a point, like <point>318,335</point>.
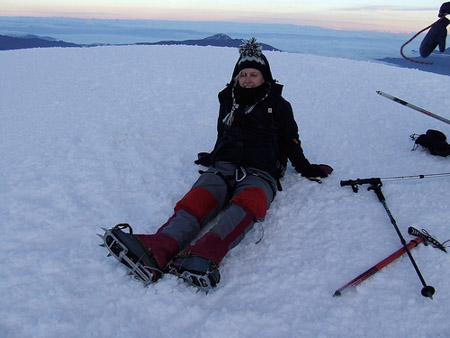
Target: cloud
<point>377,8</point>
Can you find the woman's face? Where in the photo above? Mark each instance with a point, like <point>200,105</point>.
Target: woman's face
<point>250,78</point>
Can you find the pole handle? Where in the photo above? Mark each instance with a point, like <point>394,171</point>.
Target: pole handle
<point>360,181</point>
<point>428,239</point>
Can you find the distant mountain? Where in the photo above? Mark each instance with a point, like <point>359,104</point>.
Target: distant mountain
<point>217,40</point>
<point>440,62</point>
<point>31,41</point>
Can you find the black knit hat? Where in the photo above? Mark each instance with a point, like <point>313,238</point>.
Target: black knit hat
<point>251,56</point>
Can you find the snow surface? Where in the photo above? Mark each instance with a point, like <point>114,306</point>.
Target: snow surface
<point>98,136</point>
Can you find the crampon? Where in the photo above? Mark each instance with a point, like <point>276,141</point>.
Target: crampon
<point>128,250</point>
<point>197,271</point>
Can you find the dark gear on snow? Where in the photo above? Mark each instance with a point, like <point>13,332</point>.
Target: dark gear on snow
<point>434,140</point>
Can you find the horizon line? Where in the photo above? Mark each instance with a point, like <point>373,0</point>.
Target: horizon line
<point>344,29</point>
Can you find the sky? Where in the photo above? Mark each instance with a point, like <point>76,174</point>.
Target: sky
<point>387,16</point>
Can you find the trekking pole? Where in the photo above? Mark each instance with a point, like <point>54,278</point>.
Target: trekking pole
<point>377,267</point>
<point>354,183</point>
<point>412,106</point>
<point>413,177</point>
<point>375,185</point>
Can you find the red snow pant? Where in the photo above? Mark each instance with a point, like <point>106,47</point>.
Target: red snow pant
<point>244,196</point>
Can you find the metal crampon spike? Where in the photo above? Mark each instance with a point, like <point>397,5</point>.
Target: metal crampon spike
<point>119,251</point>
<point>103,238</point>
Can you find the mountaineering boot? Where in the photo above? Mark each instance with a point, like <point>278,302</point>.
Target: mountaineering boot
<point>198,271</point>
<point>128,250</point>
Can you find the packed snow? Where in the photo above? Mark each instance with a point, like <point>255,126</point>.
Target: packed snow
<point>93,137</point>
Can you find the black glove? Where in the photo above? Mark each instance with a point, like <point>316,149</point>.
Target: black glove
<point>445,9</point>
<point>316,170</point>
<point>435,141</point>
<point>204,159</point>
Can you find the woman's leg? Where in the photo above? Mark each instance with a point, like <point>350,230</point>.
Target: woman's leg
<point>202,203</point>
<point>251,199</point>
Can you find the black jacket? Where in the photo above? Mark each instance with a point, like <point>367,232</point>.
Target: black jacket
<point>263,137</point>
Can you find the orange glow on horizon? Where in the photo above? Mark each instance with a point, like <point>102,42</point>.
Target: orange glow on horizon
<point>387,23</point>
